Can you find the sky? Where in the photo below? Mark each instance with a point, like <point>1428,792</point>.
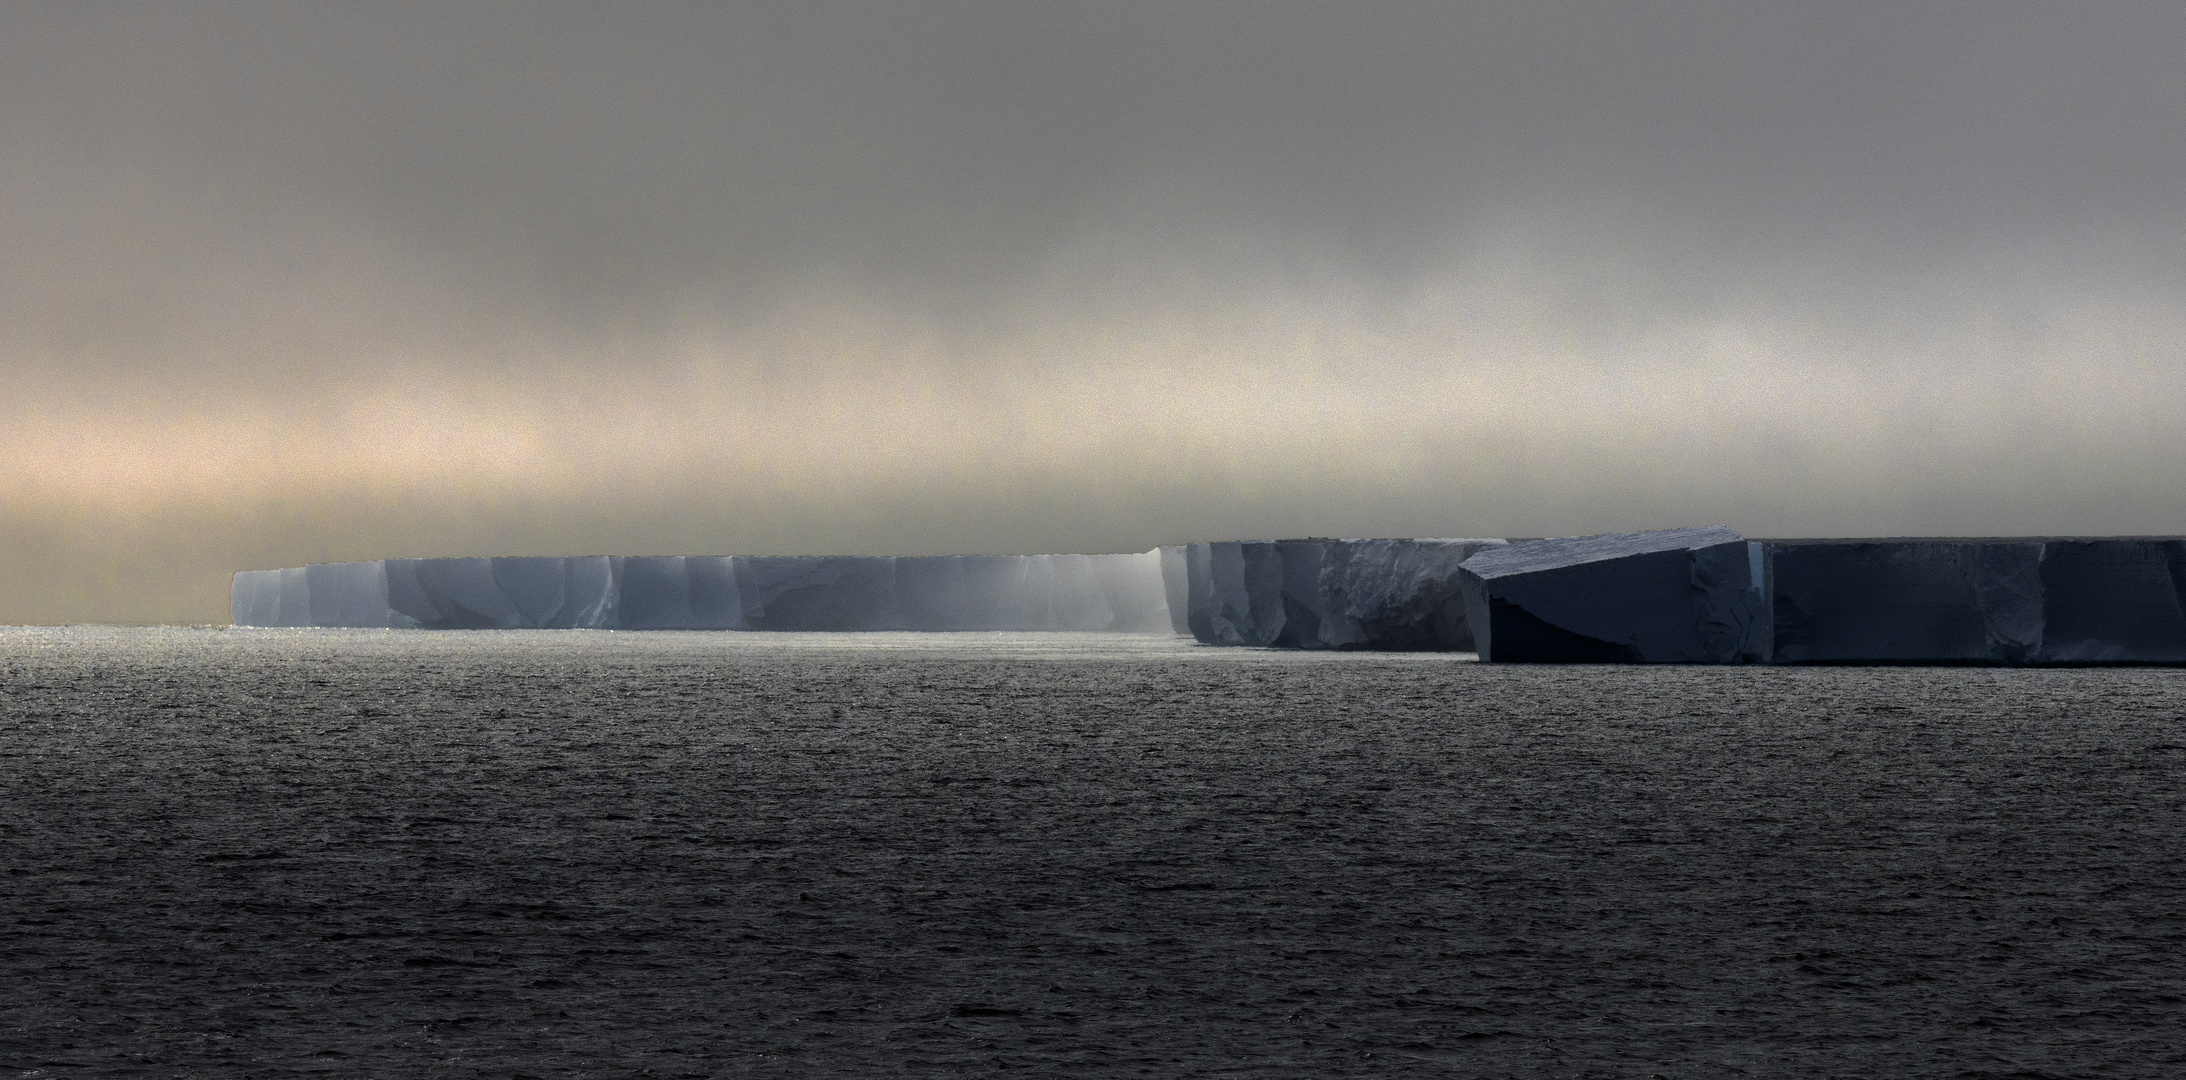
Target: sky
<point>293,283</point>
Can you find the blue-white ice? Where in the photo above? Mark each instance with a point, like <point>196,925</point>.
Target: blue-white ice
<point>1118,593</point>
<point>1703,596</point>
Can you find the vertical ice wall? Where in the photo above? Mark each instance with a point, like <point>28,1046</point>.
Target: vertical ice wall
<point>1117,593</point>
<point>1708,596</point>
<point>2012,600</point>
<point>1328,594</point>
<point>1685,595</point>
<point>1674,596</point>
<point>1906,602</point>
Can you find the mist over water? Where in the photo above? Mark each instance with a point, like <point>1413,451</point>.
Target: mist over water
<point>272,853</point>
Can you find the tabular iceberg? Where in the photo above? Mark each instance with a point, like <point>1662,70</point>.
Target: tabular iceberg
<point>1695,596</point>
<point>1119,593</point>
<point>1675,596</point>
<point>1328,594</point>
<point>2016,600</point>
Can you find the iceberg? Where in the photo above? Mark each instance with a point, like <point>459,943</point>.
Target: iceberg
<point>832,593</point>
<point>2009,600</point>
<point>1673,596</point>
<point>1326,594</point>
<point>2113,602</point>
<point>255,598</point>
<point>1176,588</point>
<point>651,593</point>
<point>462,594</point>
<point>1399,594</point>
<point>1694,596</point>
<point>1859,601</point>
<point>1115,593</point>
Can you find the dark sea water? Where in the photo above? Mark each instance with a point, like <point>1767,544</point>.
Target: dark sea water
<point>583,853</point>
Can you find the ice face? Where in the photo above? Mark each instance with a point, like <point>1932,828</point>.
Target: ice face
<point>1176,588</point>
<point>932,591</point>
<point>1328,594</point>
<point>346,594</point>
<point>293,606</point>
<point>1685,595</point>
<point>1137,591</point>
<point>255,599</point>
<point>1120,593</point>
<point>654,593</point>
<point>1004,593</point>
<point>819,593</point>
<point>1670,596</point>
<point>467,595</point>
<point>1998,601</point>
<point>1235,591</point>
<point>1398,594</point>
<point>1898,601</point>
<point>407,602</point>
<point>590,591</point>
<point>715,602</point>
<point>2113,601</point>
<point>538,588</point>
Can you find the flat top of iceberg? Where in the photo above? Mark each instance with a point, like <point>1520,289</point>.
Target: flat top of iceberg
<point>1534,555</point>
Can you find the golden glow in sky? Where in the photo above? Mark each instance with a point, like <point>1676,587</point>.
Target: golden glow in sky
<point>283,286</point>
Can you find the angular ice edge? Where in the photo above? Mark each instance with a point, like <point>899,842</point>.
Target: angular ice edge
<point>1117,593</point>
<point>1328,594</point>
<point>1674,596</point>
<point>2005,600</point>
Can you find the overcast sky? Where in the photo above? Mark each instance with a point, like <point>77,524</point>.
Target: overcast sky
<point>284,283</point>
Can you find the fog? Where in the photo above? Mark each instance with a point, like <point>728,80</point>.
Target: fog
<point>283,283</point>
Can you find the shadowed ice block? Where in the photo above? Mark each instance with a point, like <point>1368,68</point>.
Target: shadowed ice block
<point>2013,600</point>
<point>819,593</point>
<point>2113,601</point>
<point>1327,594</point>
<point>1675,596</point>
<point>1946,601</point>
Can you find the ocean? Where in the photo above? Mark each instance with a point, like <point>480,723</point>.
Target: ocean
<point>271,853</point>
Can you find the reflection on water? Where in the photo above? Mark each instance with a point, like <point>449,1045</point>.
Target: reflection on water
<point>557,853</point>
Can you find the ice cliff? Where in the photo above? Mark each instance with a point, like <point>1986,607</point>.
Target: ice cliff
<point>2011,600</point>
<point>1121,593</point>
<point>1711,596</point>
<point>1675,596</point>
<point>1328,594</point>
<point>1693,596</point>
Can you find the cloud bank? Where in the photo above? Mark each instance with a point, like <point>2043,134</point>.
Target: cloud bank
<point>286,283</point>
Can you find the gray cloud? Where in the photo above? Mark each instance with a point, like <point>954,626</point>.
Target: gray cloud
<point>993,275</point>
